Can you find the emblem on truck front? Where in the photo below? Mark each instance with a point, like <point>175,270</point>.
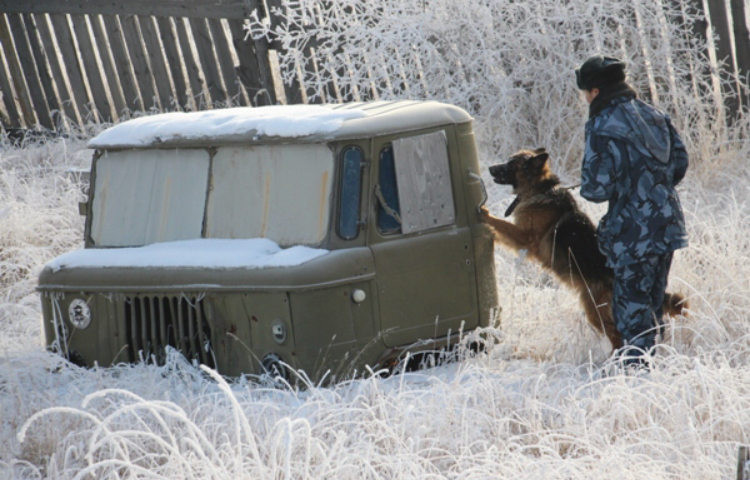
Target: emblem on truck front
<point>80,313</point>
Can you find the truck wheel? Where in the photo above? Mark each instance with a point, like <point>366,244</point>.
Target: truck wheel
<point>274,366</point>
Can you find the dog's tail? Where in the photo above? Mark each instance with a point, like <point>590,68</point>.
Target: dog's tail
<point>675,304</point>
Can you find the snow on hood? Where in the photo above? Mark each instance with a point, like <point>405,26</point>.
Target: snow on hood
<point>202,253</point>
<point>273,121</point>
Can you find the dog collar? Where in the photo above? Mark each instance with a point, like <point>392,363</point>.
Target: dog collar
<point>512,206</point>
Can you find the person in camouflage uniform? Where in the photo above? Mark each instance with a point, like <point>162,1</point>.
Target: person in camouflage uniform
<point>634,158</point>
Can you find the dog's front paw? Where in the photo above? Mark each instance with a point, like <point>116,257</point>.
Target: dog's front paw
<point>484,214</point>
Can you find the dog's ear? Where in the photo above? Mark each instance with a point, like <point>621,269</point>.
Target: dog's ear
<point>540,150</point>
<point>539,160</point>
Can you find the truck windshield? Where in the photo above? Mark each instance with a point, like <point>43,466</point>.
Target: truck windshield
<point>280,192</point>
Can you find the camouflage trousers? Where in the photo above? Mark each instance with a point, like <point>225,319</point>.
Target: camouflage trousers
<point>637,300</point>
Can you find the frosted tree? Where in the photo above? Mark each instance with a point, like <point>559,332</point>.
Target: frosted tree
<point>510,64</point>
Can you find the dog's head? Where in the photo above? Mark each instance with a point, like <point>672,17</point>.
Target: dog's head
<point>525,169</point>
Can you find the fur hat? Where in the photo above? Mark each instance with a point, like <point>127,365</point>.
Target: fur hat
<point>599,72</point>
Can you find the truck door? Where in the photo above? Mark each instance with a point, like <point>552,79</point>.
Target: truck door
<point>421,241</point>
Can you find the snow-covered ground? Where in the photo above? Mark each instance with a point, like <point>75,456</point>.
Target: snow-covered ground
<point>543,403</point>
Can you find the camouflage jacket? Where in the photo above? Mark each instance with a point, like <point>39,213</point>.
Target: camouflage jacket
<point>634,158</point>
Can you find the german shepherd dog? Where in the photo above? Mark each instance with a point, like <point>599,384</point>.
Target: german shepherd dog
<point>548,224</point>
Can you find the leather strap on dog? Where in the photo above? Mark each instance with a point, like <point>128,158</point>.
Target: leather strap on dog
<point>512,206</point>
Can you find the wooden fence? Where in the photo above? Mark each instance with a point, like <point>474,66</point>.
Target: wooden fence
<point>70,62</point>
<point>732,46</point>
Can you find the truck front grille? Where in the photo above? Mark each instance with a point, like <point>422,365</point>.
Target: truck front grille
<point>153,322</point>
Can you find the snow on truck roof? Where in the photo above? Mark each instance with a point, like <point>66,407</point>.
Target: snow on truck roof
<point>302,123</point>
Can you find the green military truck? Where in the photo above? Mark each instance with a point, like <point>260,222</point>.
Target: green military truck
<point>322,239</point>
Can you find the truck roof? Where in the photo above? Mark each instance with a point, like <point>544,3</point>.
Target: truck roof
<point>277,124</point>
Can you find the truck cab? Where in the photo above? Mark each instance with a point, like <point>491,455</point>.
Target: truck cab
<point>317,238</point>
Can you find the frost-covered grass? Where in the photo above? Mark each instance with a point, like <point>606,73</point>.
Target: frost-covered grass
<point>38,221</point>
<point>542,403</point>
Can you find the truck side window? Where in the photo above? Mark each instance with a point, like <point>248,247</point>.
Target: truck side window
<point>424,182</point>
<point>387,223</point>
<point>351,190</point>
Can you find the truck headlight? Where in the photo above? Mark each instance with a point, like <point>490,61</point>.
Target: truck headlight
<point>79,313</point>
<point>358,296</point>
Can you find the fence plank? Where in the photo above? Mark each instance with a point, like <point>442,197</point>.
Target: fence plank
<point>310,70</point>
<point>720,22</point>
<point>207,59</point>
<point>332,90</point>
<point>341,72</point>
<point>226,63</point>
<point>262,47</point>
<point>314,65</point>
<point>53,104</point>
<point>141,68</point>
<point>105,53</point>
<point>743,462</point>
<point>742,48</point>
<point>248,70</point>
<point>26,58</point>
<point>16,75</point>
<point>156,59</point>
<point>166,32</point>
<point>697,32</point>
<point>292,88</point>
<point>122,64</point>
<point>195,76</point>
<point>93,73</point>
<point>333,94</point>
<point>63,92</point>
<point>237,9</point>
<point>71,63</point>
<point>14,118</point>
<point>370,91</point>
